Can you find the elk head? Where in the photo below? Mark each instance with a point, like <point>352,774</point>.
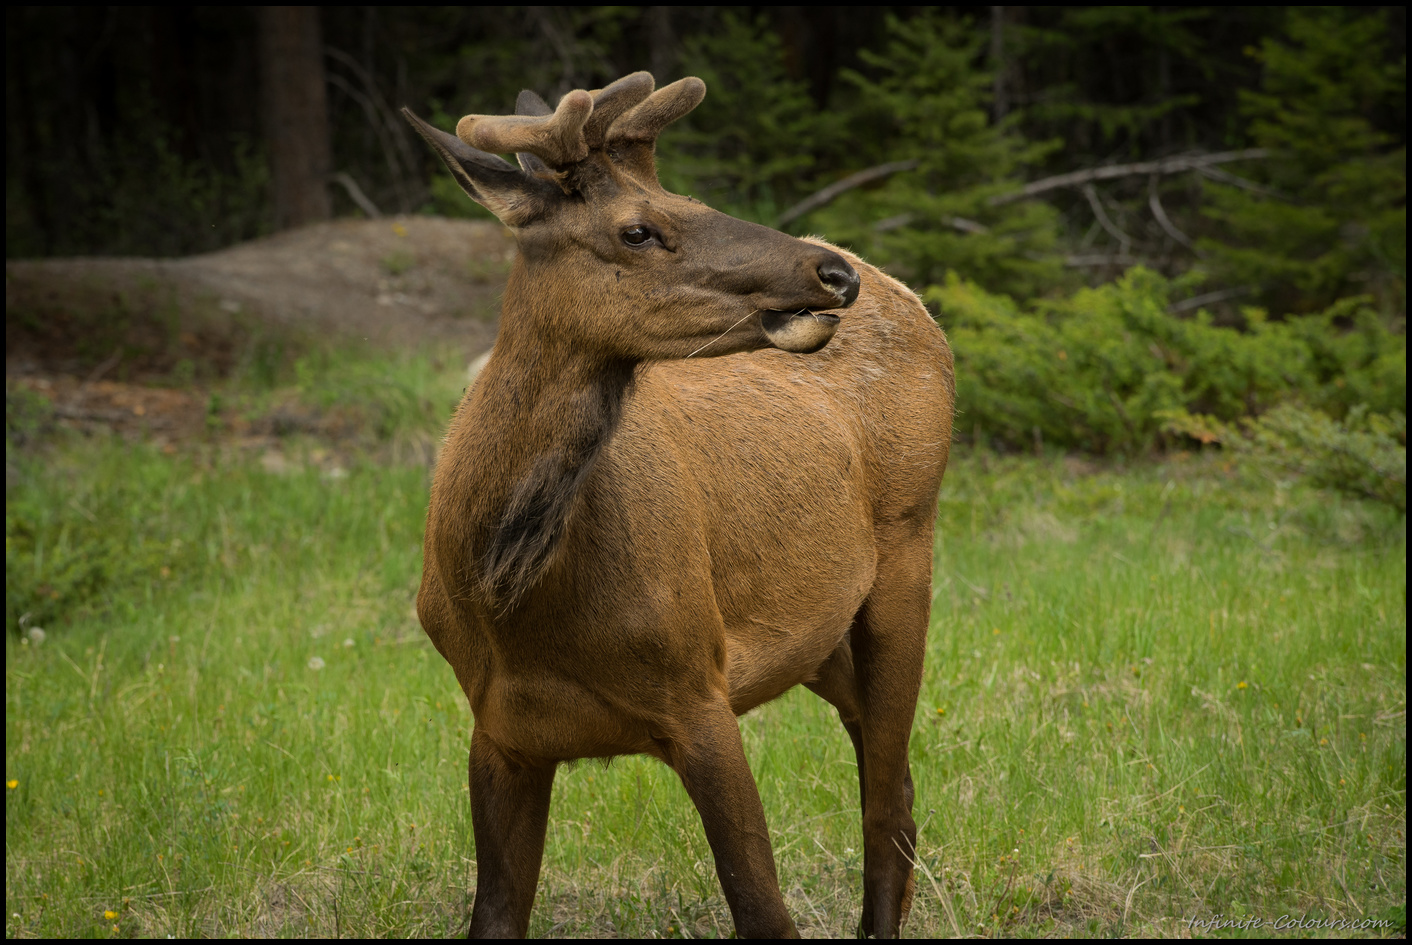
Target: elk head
<point>612,263</point>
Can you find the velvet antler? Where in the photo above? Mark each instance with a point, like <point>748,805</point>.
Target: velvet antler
<point>645,121</point>
<point>557,138</point>
<point>623,118</point>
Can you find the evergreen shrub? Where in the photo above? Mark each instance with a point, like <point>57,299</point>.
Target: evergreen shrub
<point>1365,454</point>
<point>1105,369</point>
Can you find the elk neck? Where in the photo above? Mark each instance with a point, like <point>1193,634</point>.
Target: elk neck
<point>536,424</point>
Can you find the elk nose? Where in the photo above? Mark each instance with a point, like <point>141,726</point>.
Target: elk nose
<point>841,278</point>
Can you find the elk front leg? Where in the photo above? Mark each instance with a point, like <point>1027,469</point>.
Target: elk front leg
<point>509,813</point>
<point>888,640</point>
<point>711,763</point>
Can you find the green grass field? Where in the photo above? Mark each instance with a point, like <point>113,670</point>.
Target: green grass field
<point>1151,693</point>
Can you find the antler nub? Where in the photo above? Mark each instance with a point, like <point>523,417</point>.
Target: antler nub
<point>613,100</point>
<point>658,110</point>
<point>627,114</point>
<point>558,138</point>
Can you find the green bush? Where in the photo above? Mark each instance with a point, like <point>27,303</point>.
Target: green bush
<point>1364,455</point>
<point>1102,369</point>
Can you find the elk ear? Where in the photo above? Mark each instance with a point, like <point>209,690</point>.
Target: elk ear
<point>531,104</point>
<point>491,181</point>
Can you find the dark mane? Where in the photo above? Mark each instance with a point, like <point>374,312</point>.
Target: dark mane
<point>536,515</point>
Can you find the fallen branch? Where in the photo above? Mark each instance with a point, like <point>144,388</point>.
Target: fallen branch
<point>1172,165</point>
<point>831,193</point>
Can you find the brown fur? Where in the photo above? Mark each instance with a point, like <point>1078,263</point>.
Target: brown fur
<point>625,550</point>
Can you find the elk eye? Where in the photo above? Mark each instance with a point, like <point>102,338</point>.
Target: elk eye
<point>636,235</point>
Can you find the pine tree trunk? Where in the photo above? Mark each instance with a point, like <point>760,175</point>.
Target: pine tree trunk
<point>662,43</point>
<point>1000,101</point>
<point>295,109</point>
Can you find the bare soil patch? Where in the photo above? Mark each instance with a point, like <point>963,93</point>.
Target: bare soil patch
<point>133,345</point>
<point>403,280</point>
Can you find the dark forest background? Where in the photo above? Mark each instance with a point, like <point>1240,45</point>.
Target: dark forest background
<point>1234,168</point>
<point>163,130</point>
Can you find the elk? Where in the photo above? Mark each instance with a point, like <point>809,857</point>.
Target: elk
<point>700,468</point>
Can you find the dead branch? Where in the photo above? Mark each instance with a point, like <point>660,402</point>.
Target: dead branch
<point>897,222</point>
<point>389,151</point>
<point>956,223</point>
<point>540,16</point>
<point>1154,202</point>
<point>966,226</point>
<point>355,193</point>
<point>1206,298</point>
<point>1124,240</point>
<point>389,127</point>
<point>1171,165</point>
<point>1226,177</point>
<point>830,193</point>
<point>1114,259</point>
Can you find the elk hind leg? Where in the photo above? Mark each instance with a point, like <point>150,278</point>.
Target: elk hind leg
<point>836,683</point>
<point>509,814</point>
<point>882,671</point>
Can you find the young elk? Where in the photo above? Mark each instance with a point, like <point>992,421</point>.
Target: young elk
<point>685,482</point>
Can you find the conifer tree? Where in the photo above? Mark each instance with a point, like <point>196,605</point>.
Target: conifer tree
<point>928,99</point>
<point>1329,217</point>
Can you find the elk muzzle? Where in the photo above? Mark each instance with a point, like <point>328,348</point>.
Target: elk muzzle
<point>806,331</point>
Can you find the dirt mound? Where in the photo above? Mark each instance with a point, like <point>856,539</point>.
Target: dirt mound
<point>401,281</point>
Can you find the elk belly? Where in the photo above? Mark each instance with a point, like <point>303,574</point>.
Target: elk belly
<point>775,648</point>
